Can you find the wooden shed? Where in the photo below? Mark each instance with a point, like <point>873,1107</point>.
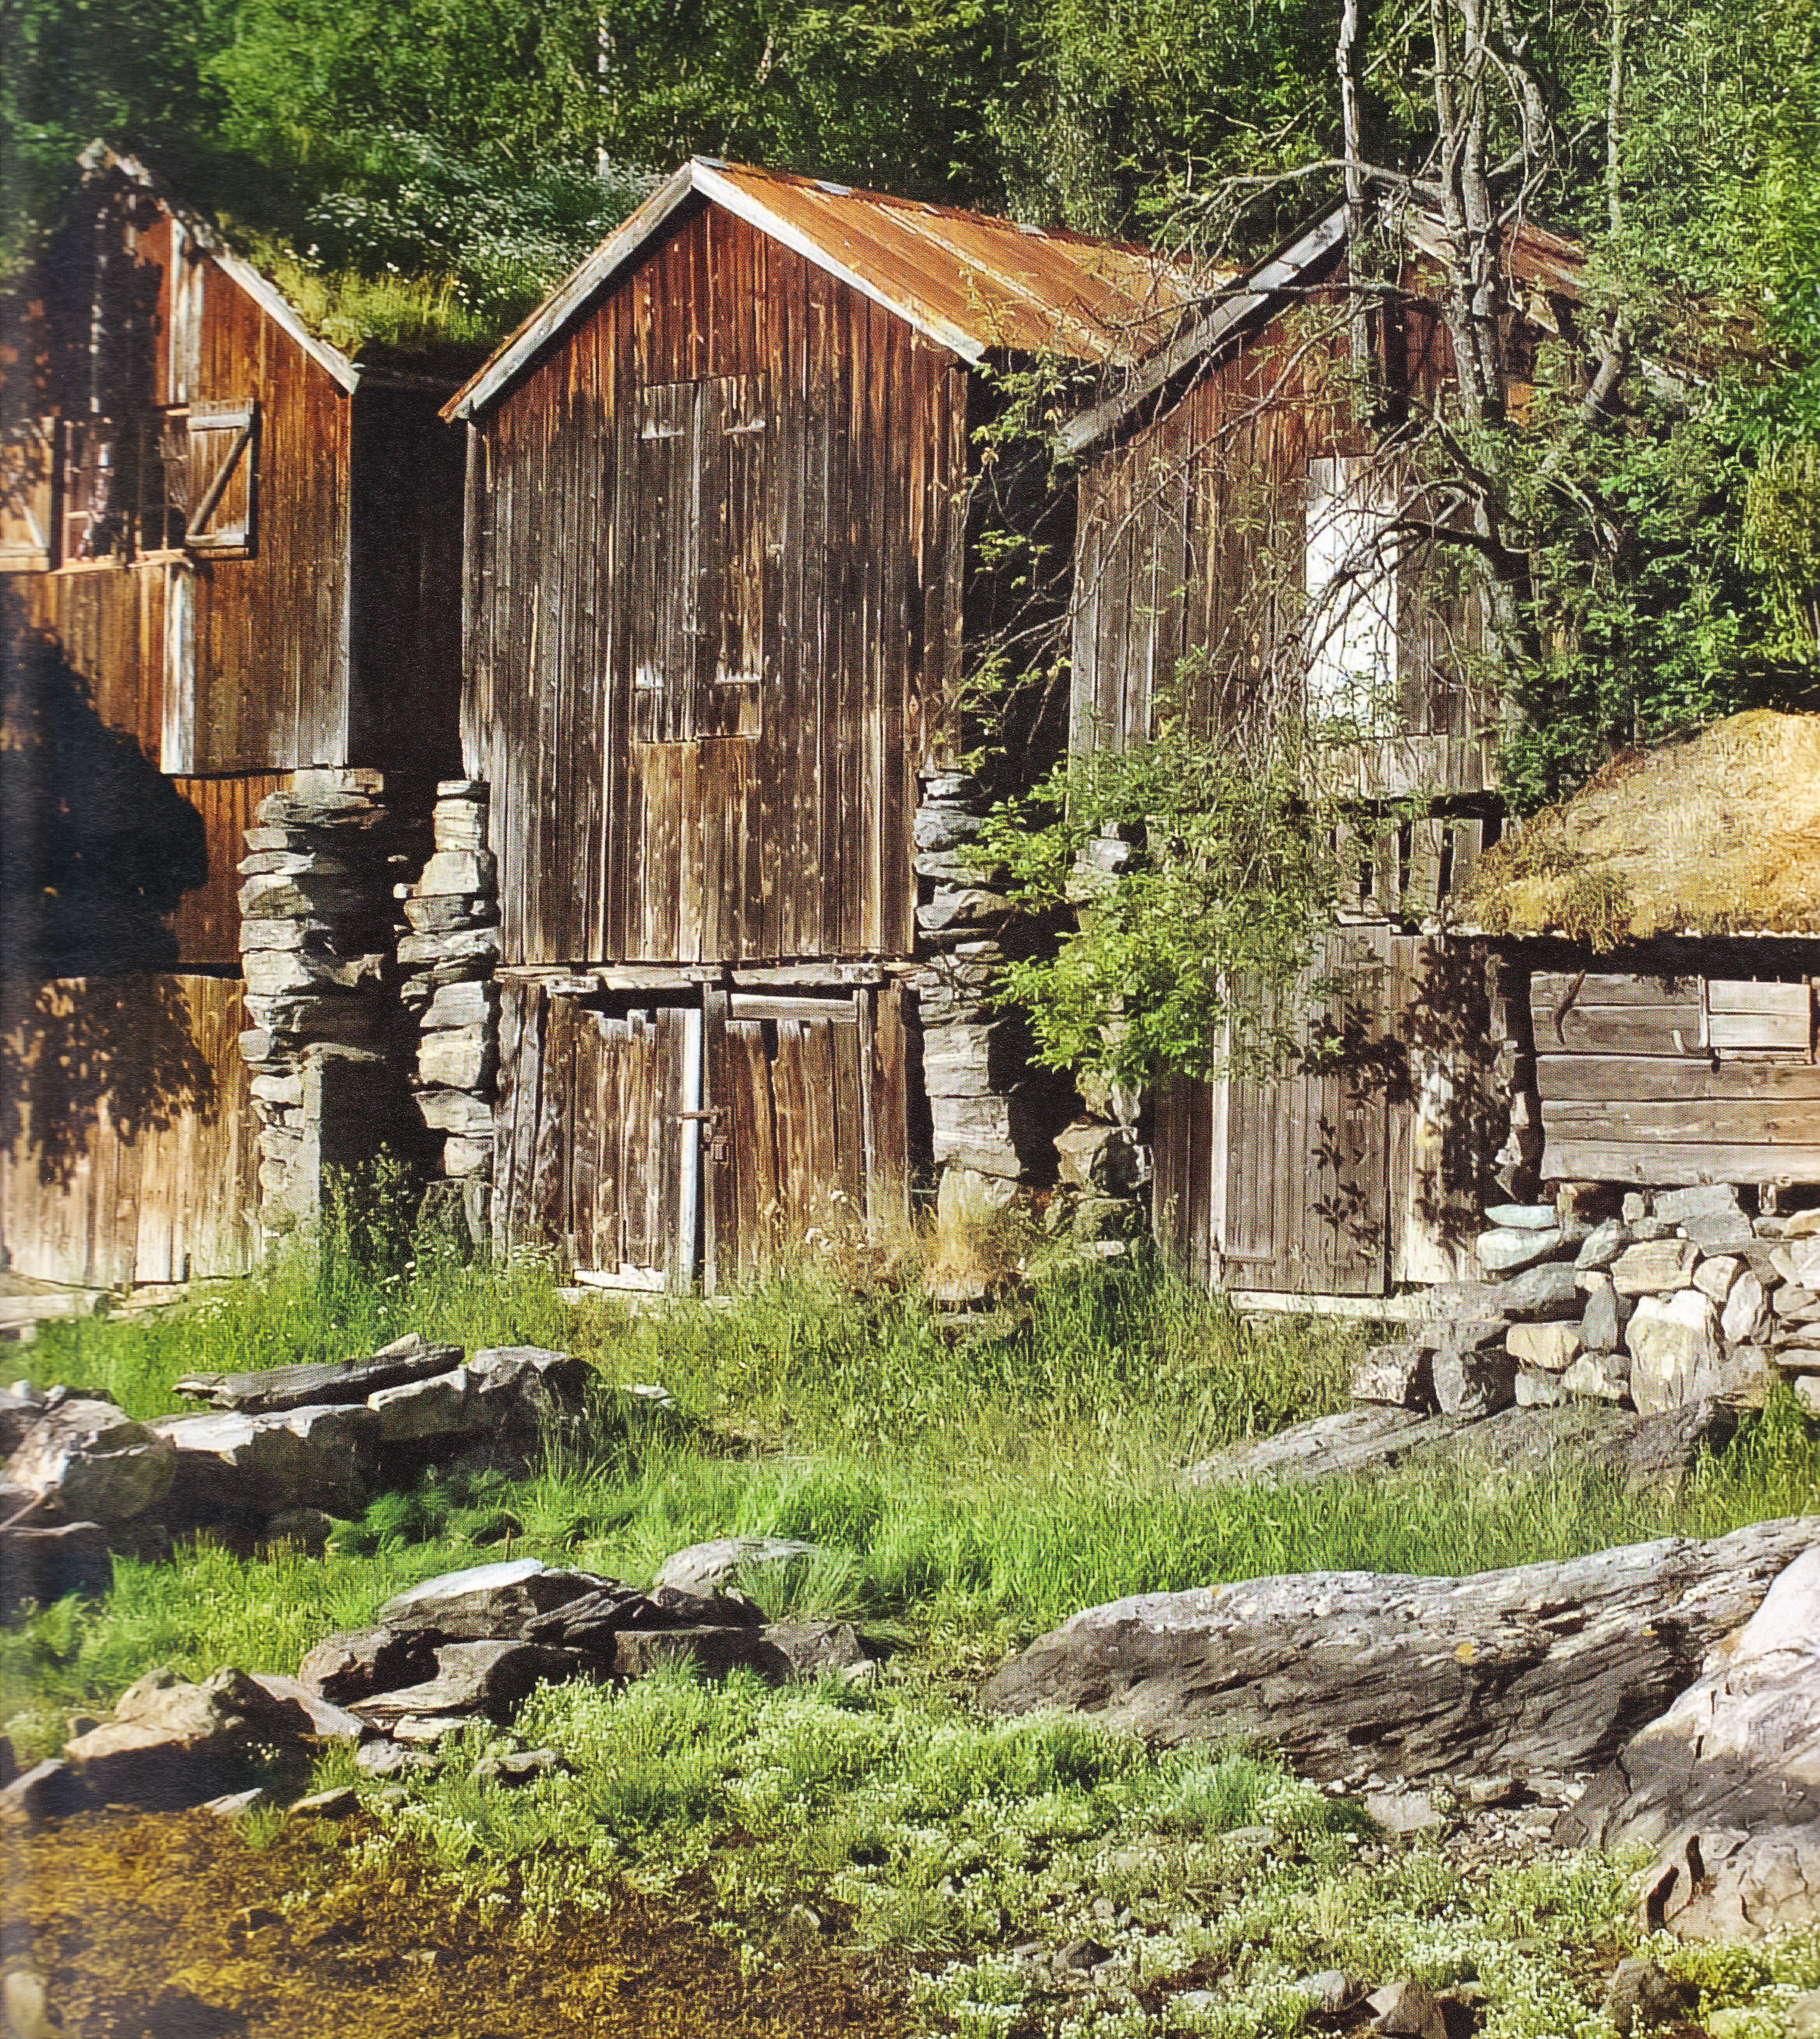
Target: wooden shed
<point>718,609</point>
<point>1233,556</point>
<point>1664,927</point>
<point>232,552</point>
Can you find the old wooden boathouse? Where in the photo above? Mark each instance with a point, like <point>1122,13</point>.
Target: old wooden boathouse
<point>718,603</point>
<point>1229,555</point>
<point>231,554</point>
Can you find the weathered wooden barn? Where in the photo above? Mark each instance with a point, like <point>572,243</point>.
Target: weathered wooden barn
<point>232,553</point>
<point>1234,555</point>
<point>718,607</point>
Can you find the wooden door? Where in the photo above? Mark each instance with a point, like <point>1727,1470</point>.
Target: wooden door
<point>1284,1184</point>
<point>808,1148</point>
<point>598,1145</point>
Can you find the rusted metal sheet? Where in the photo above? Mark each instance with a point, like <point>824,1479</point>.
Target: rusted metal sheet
<point>131,1155</point>
<point>963,280</point>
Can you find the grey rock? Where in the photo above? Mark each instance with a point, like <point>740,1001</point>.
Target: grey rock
<point>170,1743</point>
<point>489,1678</point>
<point>1406,2011</point>
<point>1329,1992</point>
<point>1549,1290</point>
<point>1719,1233</point>
<point>1474,1383</point>
<point>384,1758</point>
<point>1794,1304</point>
<point>483,1603</point>
<point>807,1648</point>
<point>705,1569</point>
<point>1607,1312</point>
<point>408,1358</point>
<point>1603,1375</point>
<point>52,1789</point>
<point>1603,1244</point>
<point>1538,1389</point>
<point>1551,1346</point>
<point>353,1664</point>
<point>1636,1205</point>
<point>456,1058</point>
<point>1674,1346</point>
<point>321,1455</point>
<point>1400,1376</point>
<point>1363,1440</point>
<point>1746,1319</point>
<point>1523,1218</point>
<point>1544,1667</point>
<point>1655,1266</point>
<point>313,1718</point>
<point>341,1802</point>
<point>1106,1158</point>
<point>38,1565</point>
<point>1798,1262</point>
<point>1639,1994</point>
<point>1704,1200</point>
<point>1505,1251</point>
<point>466,1002</point>
<point>88,1462</point>
<point>1404,1813</point>
<point>712,1651</point>
<point>447,1405</point>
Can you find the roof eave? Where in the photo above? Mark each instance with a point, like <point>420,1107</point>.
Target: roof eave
<point>264,292</point>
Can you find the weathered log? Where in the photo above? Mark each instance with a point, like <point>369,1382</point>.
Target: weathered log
<point>1546,1668</point>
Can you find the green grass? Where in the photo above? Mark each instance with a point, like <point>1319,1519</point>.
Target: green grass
<point>966,1494</point>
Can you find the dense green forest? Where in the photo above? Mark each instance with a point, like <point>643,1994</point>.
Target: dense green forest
<point>1654,516</point>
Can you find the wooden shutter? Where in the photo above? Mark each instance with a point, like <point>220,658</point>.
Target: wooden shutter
<point>222,471</point>
<point>27,462</point>
<point>698,619</point>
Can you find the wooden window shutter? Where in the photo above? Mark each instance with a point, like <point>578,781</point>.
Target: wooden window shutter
<point>28,466</point>
<point>700,559</point>
<point>223,468</point>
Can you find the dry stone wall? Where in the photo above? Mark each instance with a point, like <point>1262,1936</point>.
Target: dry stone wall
<point>1678,1297</point>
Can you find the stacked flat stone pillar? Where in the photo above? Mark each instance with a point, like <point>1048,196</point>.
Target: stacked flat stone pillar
<point>449,956</point>
<point>318,940</point>
<point>991,1117</point>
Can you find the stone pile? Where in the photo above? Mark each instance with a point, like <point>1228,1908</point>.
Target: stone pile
<point>449,957</point>
<point>1681,1297</point>
<point>468,1645</point>
<point>317,936</point>
<point>276,1455</point>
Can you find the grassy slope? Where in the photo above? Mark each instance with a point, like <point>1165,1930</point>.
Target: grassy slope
<point>967,1496</point>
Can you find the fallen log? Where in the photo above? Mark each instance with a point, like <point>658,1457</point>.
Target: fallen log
<point>1545,1667</point>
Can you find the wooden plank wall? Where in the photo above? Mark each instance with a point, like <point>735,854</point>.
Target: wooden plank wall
<point>134,1157</point>
<point>1364,1166</point>
<point>1191,546</point>
<point>792,842</point>
<point>1666,1080</point>
<point>206,923</point>
<point>271,630</point>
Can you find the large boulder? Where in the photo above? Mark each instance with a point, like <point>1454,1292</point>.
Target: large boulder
<point>481,1677</point>
<point>1726,1783</point>
<point>1546,1667</point>
<point>85,1460</point>
<point>707,1569</point>
<point>411,1358</point>
<point>170,1743</point>
<point>322,1456</point>
<point>485,1603</point>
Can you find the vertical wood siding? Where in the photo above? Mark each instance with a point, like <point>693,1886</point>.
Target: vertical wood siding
<point>1191,546</point>
<point>135,1159</point>
<point>1358,1169</point>
<point>768,820</point>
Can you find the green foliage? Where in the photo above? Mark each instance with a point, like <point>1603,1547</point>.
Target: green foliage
<point>1201,874</point>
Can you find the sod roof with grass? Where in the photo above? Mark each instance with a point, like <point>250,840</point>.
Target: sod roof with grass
<point>1714,834</point>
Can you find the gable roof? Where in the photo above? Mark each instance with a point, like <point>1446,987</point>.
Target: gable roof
<point>98,158</point>
<point>1544,263</point>
<point>964,280</point>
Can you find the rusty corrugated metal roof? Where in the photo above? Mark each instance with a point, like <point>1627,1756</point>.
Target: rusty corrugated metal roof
<point>965,280</point>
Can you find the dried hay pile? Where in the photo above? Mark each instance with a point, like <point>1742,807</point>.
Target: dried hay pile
<point>1718,833</point>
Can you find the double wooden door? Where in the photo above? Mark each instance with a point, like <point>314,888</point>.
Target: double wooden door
<point>661,1142</point>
